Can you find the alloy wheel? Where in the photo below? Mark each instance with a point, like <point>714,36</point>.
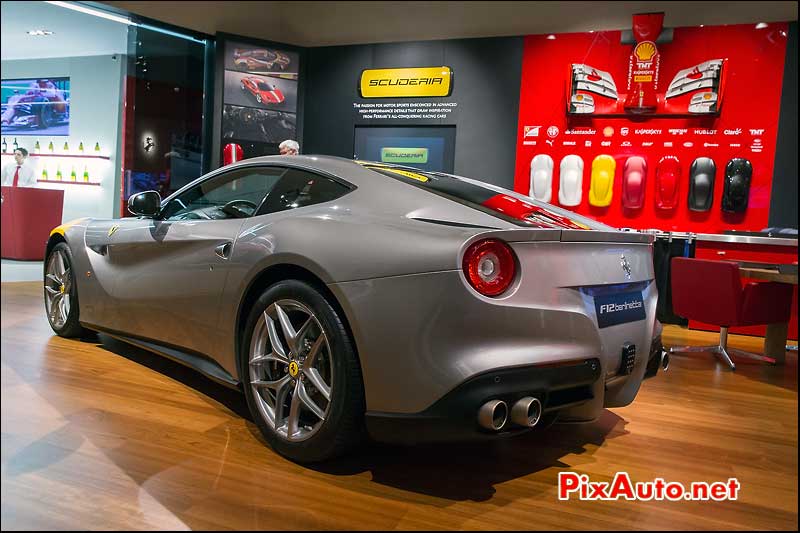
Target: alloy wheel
<point>57,286</point>
<point>291,370</point>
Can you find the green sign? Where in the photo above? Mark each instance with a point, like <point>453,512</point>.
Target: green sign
<point>404,155</point>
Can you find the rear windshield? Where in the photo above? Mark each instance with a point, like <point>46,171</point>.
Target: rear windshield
<point>480,198</point>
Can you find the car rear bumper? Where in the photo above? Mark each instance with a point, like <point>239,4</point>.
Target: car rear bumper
<point>455,416</point>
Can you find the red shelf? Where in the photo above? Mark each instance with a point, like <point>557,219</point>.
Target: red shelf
<point>65,155</point>
<point>69,182</point>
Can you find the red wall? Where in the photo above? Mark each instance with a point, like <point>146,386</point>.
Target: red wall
<point>751,102</point>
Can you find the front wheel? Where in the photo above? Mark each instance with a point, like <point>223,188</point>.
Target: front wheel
<point>61,293</point>
<point>301,375</point>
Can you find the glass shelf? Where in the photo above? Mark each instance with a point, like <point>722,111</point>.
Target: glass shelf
<point>64,155</point>
<point>69,182</point>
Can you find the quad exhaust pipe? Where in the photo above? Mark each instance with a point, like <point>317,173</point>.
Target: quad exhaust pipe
<point>493,415</point>
<point>525,412</point>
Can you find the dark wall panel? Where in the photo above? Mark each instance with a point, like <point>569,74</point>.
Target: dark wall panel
<point>783,206</point>
<point>486,81</point>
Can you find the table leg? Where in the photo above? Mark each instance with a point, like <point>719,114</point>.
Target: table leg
<point>775,342</point>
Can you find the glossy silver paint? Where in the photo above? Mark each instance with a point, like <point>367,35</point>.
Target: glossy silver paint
<point>418,327</point>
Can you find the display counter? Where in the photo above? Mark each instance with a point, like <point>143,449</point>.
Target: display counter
<point>28,215</point>
<point>751,246</point>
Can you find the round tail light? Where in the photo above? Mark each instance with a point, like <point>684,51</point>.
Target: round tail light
<point>489,266</point>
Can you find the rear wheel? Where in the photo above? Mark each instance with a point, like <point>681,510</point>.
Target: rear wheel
<point>301,375</point>
<point>61,293</point>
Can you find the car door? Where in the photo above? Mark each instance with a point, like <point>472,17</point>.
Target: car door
<point>168,272</point>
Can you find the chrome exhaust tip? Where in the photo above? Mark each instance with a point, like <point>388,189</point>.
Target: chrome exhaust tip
<point>664,360</point>
<point>493,415</point>
<point>526,412</point>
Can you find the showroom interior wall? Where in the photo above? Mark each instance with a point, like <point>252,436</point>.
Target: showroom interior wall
<point>783,203</point>
<point>486,82</point>
<point>95,87</point>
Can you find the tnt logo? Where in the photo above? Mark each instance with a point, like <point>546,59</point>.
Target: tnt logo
<point>756,132</point>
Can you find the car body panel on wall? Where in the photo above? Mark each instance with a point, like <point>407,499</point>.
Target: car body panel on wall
<point>717,95</point>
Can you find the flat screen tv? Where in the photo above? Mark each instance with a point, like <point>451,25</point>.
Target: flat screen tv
<point>424,147</point>
<point>35,106</point>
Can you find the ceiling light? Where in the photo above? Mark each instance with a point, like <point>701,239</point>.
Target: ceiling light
<point>761,25</point>
<point>94,12</point>
<point>551,37</point>
<point>39,33</point>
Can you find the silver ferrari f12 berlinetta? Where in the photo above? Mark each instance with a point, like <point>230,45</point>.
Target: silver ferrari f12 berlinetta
<point>352,299</point>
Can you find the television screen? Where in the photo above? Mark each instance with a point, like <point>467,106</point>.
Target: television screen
<point>424,147</point>
<point>37,106</point>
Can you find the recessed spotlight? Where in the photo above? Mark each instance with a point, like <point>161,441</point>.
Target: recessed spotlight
<point>761,25</point>
<point>551,37</point>
<point>40,33</point>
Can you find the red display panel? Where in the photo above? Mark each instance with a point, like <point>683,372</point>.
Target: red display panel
<point>744,126</point>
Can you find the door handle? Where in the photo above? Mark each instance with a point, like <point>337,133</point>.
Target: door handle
<point>224,250</point>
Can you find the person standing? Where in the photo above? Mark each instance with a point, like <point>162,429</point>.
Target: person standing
<point>289,147</point>
<point>20,172</point>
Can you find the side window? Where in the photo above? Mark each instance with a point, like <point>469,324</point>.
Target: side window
<point>299,188</point>
<point>235,194</point>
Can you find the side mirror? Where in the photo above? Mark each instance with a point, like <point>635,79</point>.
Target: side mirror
<point>145,204</point>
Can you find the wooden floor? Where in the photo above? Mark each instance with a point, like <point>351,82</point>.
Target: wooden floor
<point>106,436</point>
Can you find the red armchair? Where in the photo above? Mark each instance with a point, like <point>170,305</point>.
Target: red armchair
<point>712,292</point>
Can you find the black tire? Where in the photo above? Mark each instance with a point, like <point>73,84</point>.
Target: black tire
<point>45,117</point>
<point>343,427</point>
<point>71,327</point>
<point>258,98</point>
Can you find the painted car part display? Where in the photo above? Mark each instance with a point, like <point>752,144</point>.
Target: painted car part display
<point>736,190</point>
<point>701,184</point>
<point>668,179</point>
<point>570,185</point>
<point>581,104</point>
<point>601,188</point>
<point>542,178</point>
<point>744,126</point>
<point>634,182</point>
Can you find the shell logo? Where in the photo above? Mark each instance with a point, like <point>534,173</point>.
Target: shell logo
<point>645,51</point>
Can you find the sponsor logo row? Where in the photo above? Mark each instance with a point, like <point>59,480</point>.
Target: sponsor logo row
<point>552,132</point>
<point>755,146</point>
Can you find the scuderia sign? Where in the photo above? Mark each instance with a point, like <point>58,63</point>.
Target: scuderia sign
<point>406,82</point>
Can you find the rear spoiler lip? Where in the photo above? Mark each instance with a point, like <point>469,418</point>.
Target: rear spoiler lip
<point>566,235</point>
